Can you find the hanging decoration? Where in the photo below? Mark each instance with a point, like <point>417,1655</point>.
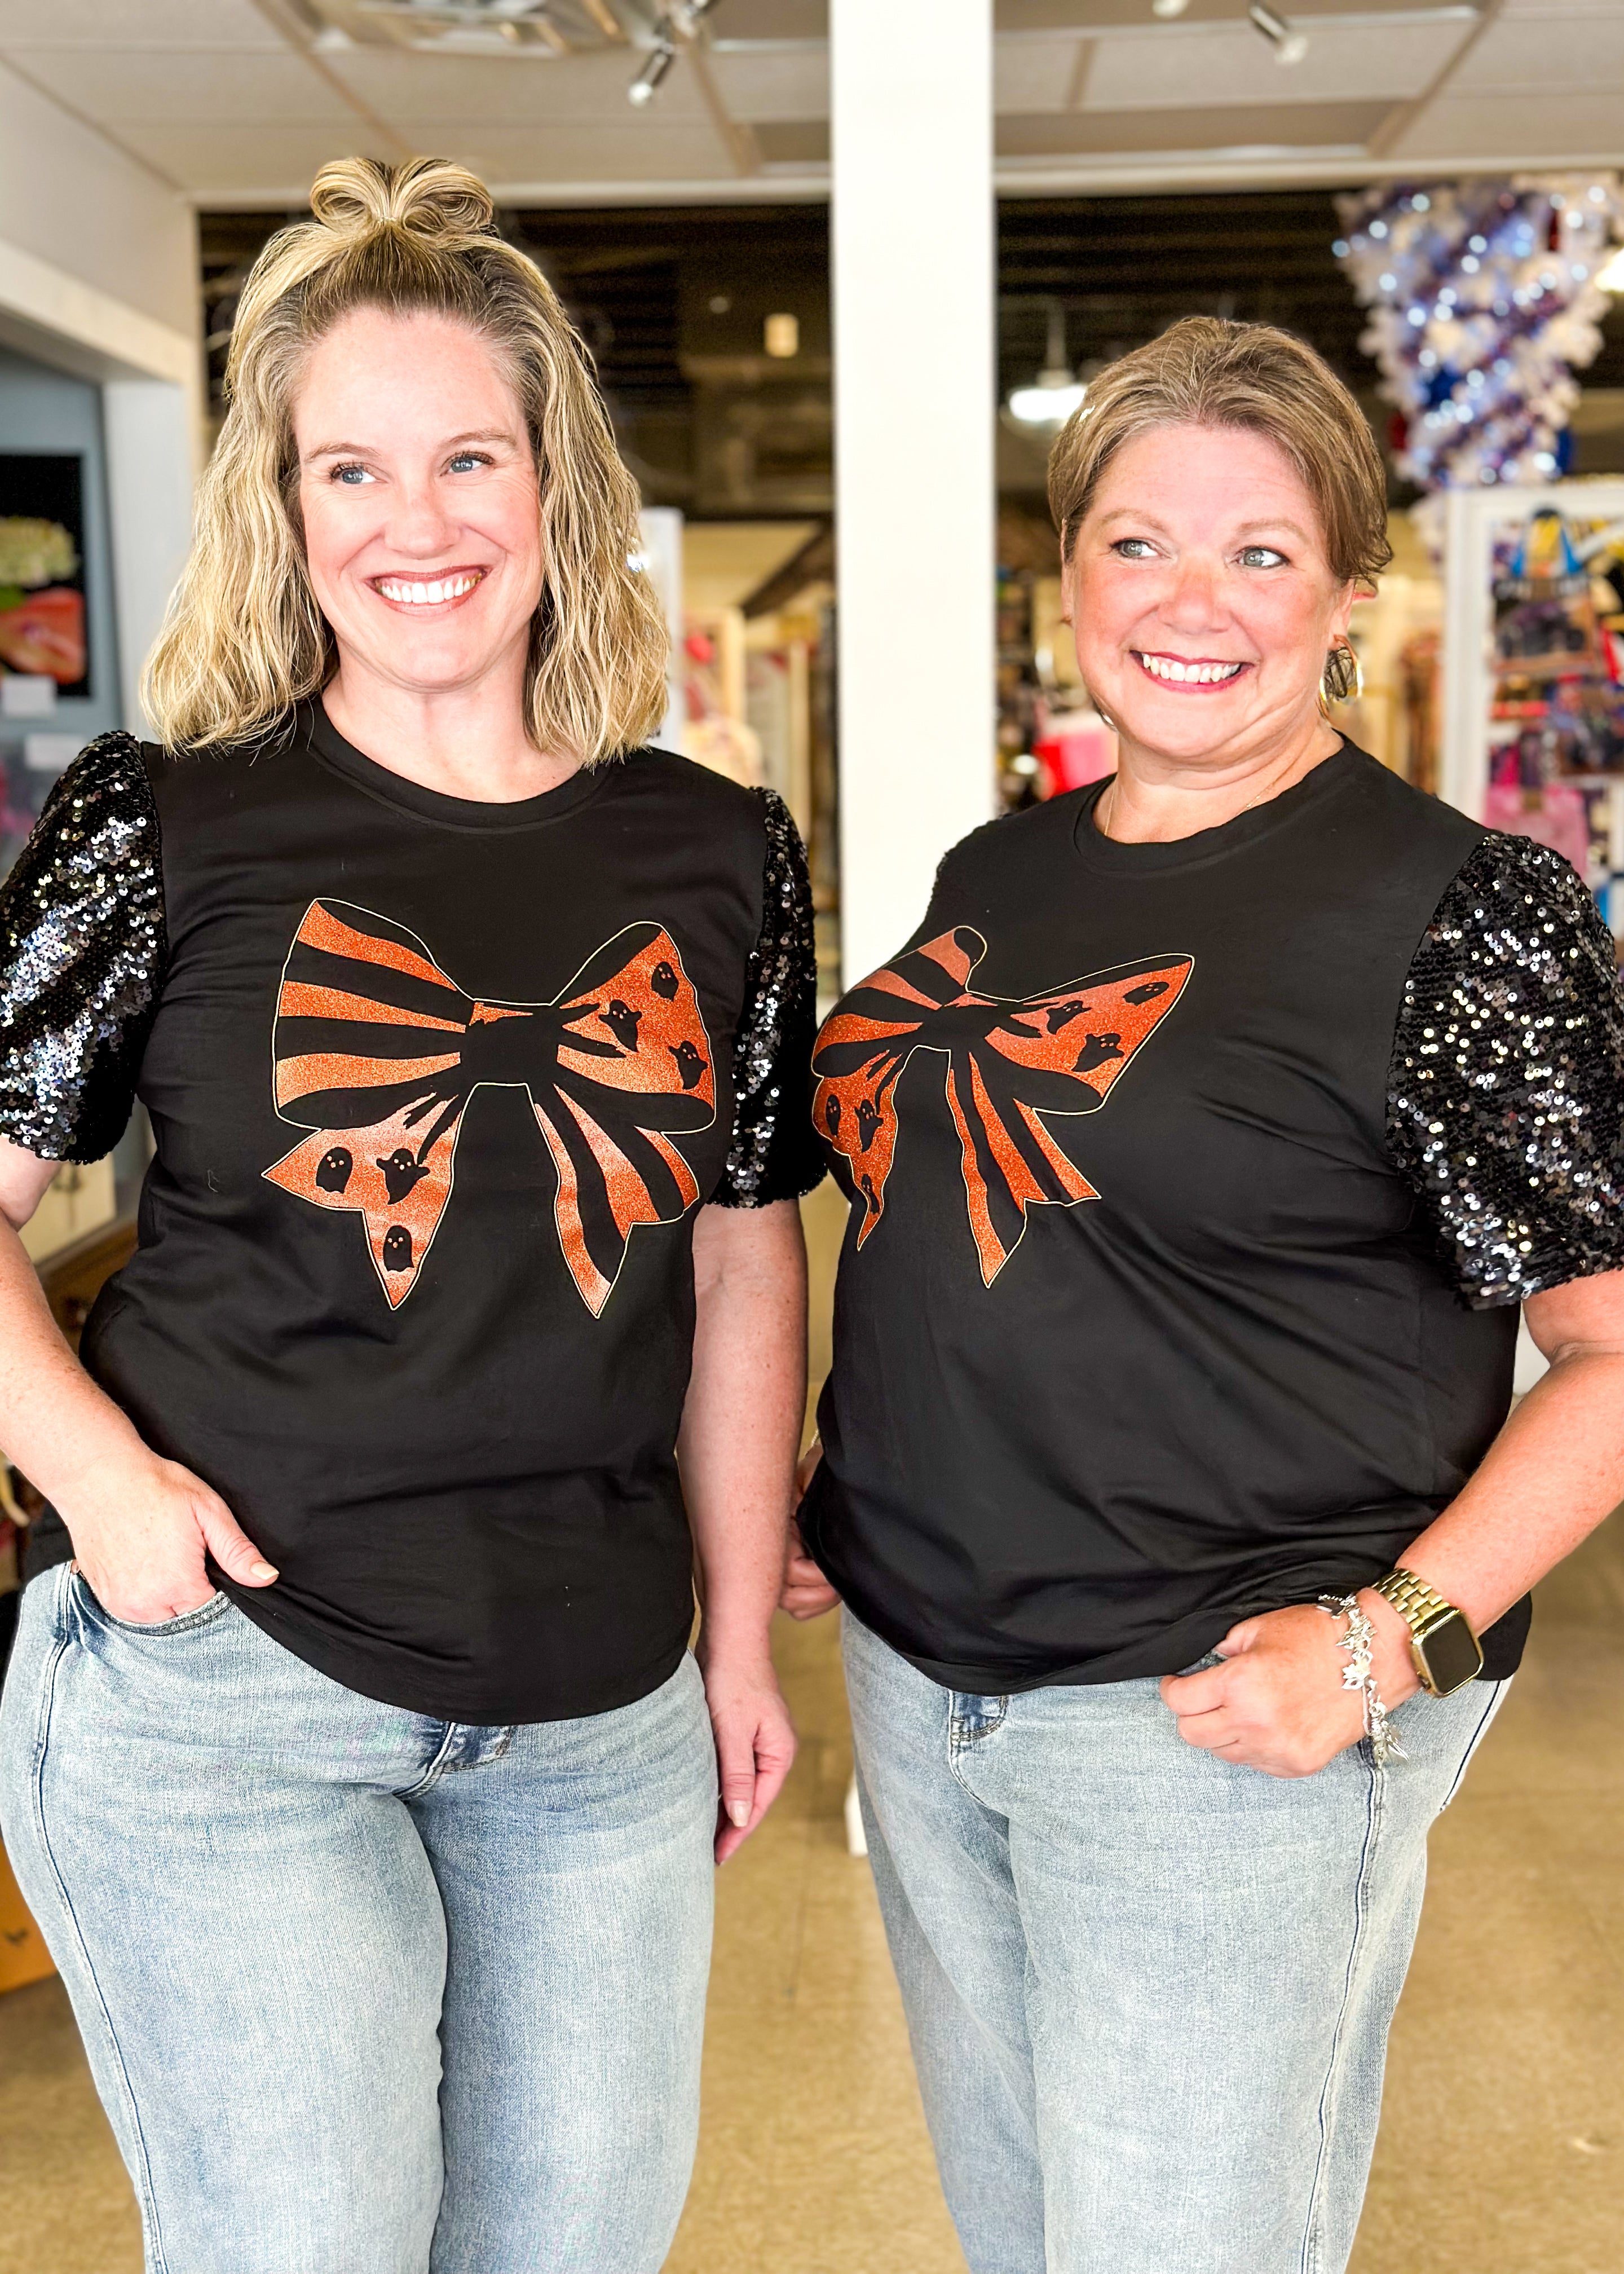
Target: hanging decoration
<point>1484,302</point>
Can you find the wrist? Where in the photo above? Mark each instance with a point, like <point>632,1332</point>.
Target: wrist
<point>741,1646</point>
<point>1391,1659</point>
<point>107,1460</point>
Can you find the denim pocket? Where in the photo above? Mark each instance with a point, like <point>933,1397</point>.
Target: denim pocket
<point>205,1614</point>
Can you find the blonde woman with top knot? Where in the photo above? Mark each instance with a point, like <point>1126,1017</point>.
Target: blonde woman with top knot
<point>353,1757</point>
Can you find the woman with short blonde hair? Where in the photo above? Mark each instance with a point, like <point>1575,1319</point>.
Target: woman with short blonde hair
<point>1201,1144</point>
<point>356,1764</point>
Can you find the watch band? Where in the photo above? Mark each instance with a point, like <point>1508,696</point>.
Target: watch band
<point>1425,1611</point>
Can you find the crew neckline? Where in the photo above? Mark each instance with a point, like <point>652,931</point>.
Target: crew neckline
<point>1240,832</point>
<point>469,814</point>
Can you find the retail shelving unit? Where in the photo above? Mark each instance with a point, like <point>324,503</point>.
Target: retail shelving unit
<point>1474,516</point>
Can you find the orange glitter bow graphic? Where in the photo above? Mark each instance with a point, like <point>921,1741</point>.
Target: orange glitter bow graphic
<point>378,1052</point>
<point>1009,1063</point>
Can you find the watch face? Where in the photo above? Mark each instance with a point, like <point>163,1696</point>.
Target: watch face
<point>1452,1654</point>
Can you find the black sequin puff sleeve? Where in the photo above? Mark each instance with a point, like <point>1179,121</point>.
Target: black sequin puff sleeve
<point>1506,1089</point>
<point>775,1156</point>
<point>82,953</point>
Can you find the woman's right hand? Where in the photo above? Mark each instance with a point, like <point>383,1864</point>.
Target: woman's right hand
<point>139,1537</point>
<point>807,1594</point>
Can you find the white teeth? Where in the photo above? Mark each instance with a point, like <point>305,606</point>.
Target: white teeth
<point>1201,674</point>
<point>430,595</point>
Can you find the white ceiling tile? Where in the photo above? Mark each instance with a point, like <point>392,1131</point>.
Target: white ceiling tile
<point>1035,73</point>
<point>591,154</point>
<point>766,83</point>
<point>1507,129</point>
<point>134,24</point>
<point>1222,129</point>
<point>1580,13</point>
<point>1518,55</point>
<point>273,161</point>
<point>1231,64</point>
<point>112,86</point>
<point>407,89</point>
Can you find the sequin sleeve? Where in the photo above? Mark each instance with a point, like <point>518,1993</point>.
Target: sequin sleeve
<point>774,1155</point>
<point>82,952</point>
<point>1506,1087</point>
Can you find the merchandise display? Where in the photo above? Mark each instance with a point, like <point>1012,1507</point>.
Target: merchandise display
<point>1534,672</point>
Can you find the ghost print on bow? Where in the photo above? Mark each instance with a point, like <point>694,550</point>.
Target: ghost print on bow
<point>377,1051</point>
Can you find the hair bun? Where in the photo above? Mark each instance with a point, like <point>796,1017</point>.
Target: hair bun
<point>430,198</point>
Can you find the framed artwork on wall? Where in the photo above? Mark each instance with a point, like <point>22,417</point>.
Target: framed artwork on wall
<point>43,627</point>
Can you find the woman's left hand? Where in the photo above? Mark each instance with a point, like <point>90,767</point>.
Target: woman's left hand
<point>1277,1702</point>
<point>755,1745</point>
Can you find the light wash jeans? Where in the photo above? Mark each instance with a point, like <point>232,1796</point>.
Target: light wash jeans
<point>1148,1992</point>
<point>364,1992</point>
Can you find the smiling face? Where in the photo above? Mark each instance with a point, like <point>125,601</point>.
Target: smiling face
<point>418,491</point>
<point>1202,599</point>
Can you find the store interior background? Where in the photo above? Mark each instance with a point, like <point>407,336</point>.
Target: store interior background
<point>1035,201</point>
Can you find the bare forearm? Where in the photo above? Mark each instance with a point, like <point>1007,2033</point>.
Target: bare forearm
<point>740,1425</point>
<point>55,1426</point>
<point>1554,1472</point>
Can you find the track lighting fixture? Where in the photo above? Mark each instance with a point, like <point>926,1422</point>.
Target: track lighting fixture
<point>677,20</point>
<point>658,61</point>
<point>1290,45</point>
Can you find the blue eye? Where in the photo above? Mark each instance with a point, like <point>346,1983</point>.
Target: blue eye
<point>350,476</point>
<point>1133,548</point>
<point>1262,556</point>
<point>466,460</point>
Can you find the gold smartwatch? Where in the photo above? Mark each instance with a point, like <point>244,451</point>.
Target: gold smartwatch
<point>1447,1652</point>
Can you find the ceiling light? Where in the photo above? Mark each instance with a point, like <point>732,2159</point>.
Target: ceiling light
<point>1612,277</point>
<point>1050,402</point>
<point>1289,46</point>
<point>646,86</point>
<point>675,20</point>
<point>1058,393</point>
<point>1168,7</point>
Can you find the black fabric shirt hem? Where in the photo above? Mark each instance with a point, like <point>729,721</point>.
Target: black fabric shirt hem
<point>374,1670</point>
<point>1171,1651</point>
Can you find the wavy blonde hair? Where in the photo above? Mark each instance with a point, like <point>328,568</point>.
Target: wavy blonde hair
<point>243,639</point>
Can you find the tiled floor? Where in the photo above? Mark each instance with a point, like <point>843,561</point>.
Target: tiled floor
<point>1502,2143</point>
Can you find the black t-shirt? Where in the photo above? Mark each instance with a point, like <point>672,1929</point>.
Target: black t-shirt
<point>437,1088</point>
<point>1195,1186</point>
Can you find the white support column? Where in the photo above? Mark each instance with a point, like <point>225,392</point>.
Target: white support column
<point>150,434</point>
<point>914,346</point>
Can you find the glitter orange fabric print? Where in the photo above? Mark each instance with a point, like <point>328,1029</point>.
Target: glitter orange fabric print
<point>1010,1063</point>
<point>377,1051</point>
